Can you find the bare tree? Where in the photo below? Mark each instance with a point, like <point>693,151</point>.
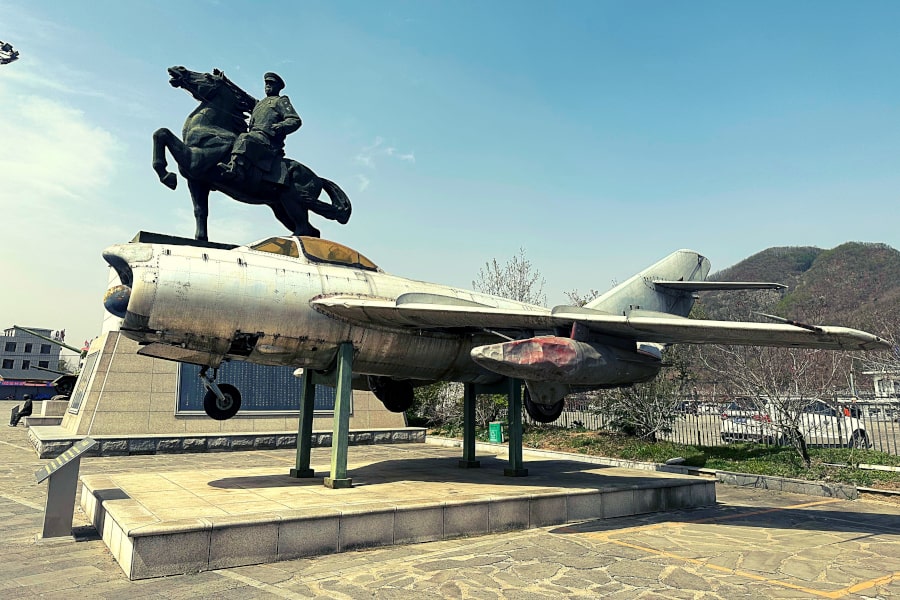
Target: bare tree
<point>577,299</point>
<point>646,410</point>
<point>517,279</point>
<point>781,383</point>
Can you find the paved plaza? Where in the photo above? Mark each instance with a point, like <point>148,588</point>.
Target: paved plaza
<point>752,544</point>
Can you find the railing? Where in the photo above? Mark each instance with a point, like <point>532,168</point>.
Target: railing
<point>873,425</point>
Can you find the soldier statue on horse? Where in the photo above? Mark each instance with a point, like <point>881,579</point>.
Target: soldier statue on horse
<point>219,151</point>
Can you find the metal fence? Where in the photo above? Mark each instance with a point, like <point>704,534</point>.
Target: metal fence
<point>871,424</point>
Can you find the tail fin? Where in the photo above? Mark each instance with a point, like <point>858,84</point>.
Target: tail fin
<point>656,288</point>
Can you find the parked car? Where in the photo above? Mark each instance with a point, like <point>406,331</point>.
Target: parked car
<point>742,420</point>
<point>821,424</point>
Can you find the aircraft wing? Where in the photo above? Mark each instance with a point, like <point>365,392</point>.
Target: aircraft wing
<point>640,327</point>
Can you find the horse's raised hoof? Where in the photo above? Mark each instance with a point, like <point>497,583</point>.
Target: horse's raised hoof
<point>170,180</point>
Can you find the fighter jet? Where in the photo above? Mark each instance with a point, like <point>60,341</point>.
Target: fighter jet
<point>294,300</point>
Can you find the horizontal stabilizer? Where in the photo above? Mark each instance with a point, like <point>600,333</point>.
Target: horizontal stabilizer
<point>708,286</point>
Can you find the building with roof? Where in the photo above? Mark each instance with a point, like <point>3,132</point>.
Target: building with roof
<point>28,362</point>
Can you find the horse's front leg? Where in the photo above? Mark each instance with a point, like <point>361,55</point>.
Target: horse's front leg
<point>162,139</point>
<point>200,198</point>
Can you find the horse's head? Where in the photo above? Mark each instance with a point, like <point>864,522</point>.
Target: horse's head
<point>205,87</point>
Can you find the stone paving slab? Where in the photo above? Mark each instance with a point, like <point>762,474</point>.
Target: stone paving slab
<point>176,522</point>
<point>753,544</point>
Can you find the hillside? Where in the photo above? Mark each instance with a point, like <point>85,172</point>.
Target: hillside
<point>855,284</point>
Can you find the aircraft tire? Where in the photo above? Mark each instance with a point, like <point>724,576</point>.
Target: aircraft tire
<point>542,413</point>
<point>222,411</point>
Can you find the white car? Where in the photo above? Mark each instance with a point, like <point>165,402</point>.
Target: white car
<point>820,423</point>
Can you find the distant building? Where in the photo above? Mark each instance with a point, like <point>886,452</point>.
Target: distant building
<point>23,358</point>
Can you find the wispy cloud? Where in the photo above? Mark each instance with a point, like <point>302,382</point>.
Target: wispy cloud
<point>51,152</point>
<point>363,182</point>
<point>378,149</point>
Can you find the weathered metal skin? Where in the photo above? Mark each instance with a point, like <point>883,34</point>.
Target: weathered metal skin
<point>294,301</point>
<point>209,300</point>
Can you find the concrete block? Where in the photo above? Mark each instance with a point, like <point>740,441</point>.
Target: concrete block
<point>125,362</point>
<point>726,477</point>
<point>125,423</point>
<point>233,545</point>
<point>54,408</point>
<point>264,442</point>
<point>361,438</point>
<point>381,437</point>
<point>242,442</point>
<point>218,444</point>
<point>418,524</point>
<point>141,446</point>
<point>114,447</point>
<point>508,514</point>
<point>162,403</point>
<point>466,519</point>
<point>119,382</point>
<point>548,510</point>
<point>677,497</point>
<point>194,444</point>
<point>169,446</point>
<point>647,500</point>
<point>366,529</point>
<point>164,383</point>
<point>176,553</point>
<point>286,441</point>
<point>308,536</point>
<point>618,504</point>
<point>703,494</point>
<point>582,507</point>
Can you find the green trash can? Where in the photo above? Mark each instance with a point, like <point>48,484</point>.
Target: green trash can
<point>495,432</point>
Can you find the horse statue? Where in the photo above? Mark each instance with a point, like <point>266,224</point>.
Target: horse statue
<point>209,133</point>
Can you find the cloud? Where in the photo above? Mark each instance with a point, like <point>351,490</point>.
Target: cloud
<point>363,182</point>
<point>376,149</point>
<point>51,153</point>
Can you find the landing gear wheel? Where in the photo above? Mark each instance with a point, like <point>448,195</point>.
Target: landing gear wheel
<point>542,413</point>
<point>222,410</point>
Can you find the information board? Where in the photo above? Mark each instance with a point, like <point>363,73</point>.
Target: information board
<point>81,384</point>
<point>77,449</point>
<point>262,388</point>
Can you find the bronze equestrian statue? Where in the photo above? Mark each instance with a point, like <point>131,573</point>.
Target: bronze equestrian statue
<point>257,172</point>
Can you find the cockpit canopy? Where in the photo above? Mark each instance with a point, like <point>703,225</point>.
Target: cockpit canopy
<point>316,250</point>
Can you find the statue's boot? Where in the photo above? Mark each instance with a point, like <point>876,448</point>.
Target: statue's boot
<point>232,170</point>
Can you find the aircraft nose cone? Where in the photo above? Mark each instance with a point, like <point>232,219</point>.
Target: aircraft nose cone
<point>115,300</point>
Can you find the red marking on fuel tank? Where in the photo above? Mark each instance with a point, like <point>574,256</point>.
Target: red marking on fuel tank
<point>557,351</point>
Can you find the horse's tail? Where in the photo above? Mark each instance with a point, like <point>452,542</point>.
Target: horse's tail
<point>339,201</point>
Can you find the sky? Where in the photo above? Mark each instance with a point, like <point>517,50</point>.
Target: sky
<point>598,136</point>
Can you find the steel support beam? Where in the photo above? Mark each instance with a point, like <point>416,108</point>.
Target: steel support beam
<point>304,427</point>
<point>468,459</point>
<point>340,438</point>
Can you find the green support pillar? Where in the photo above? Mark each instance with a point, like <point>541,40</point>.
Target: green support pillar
<point>516,467</point>
<point>304,428</point>
<point>340,437</point>
<point>468,459</point>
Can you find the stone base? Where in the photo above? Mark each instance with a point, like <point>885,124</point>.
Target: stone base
<point>50,442</point>
<point>176,522</point>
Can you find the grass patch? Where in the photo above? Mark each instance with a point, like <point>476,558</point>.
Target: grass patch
<point>836,465</point>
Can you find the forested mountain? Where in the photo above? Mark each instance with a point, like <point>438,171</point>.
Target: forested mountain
<point>855,284</point>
